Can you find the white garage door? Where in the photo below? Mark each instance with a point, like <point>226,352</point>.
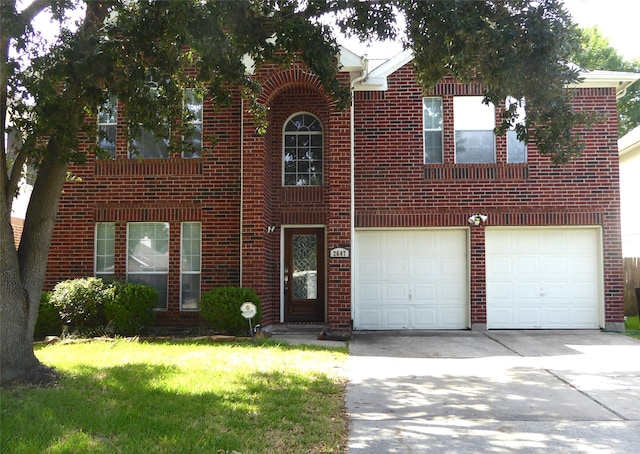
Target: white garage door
<point>411,279</point>
<point>544,278</point>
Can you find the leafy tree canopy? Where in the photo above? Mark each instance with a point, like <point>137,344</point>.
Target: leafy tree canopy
<point>596,52</point>
<point>147,51</point>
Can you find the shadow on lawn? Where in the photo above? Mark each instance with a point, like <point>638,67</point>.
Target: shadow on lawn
<point>157,408</point>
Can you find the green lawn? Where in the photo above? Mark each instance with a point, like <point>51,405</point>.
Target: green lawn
<point>130,397</point>
<point>632,326</point>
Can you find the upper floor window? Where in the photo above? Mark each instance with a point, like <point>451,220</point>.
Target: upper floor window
<point>143,142</point>
<point>303,153</point>
<point>516,149</point>
<point>193,103</point>
<point>474,124</point>
<point>107,126</point>
<point>432,125</point>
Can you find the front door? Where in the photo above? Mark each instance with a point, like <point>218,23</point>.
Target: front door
<point>304,271</point>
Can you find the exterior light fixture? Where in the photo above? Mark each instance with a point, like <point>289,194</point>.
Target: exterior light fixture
<point>477,219</point>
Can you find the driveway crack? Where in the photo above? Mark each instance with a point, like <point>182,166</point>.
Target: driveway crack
<point>485,333</point>
<point>587,395</point>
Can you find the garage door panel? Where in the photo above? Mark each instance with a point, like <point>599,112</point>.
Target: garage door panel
<point>426,291</point>
<point>395,268</point>
<point>451,292</point>
<point>549,279</point>
<point>526,265</point>
<point>372,292</point>
<point>424,267</point>
<point>372,317</point>
<point>372,268</point>
<point>583,266</point>
<point>397,292</point>
<point>556,267</point>
<point>423,283</point>
<point>397,317</point>
<point>501,265</point>
<point>427,317</point>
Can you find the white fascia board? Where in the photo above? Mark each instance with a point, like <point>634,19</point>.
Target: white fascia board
<point>629,143</point>
<point>606,79</point>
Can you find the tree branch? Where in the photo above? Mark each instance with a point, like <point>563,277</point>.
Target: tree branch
<point>31,11</point>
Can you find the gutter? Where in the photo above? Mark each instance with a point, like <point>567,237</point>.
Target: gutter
<point>362,77</point>
<point>241,183</point>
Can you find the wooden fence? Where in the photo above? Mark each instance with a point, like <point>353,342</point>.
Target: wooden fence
<point>631,281</point>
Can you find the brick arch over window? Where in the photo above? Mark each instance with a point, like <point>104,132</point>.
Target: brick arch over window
<point>293,77</point>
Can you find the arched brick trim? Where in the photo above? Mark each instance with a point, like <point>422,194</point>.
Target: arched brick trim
<point>287,78</point>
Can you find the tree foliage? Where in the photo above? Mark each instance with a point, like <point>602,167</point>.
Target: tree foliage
<point>596,52</point>
<point>147,51</point>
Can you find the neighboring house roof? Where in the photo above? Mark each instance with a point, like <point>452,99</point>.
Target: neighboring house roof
<point>377,78</point>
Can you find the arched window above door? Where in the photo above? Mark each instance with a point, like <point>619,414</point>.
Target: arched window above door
<point>303,151</point>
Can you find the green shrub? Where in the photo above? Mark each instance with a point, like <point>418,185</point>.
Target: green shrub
<point>129,307</point>
<point>80,302</point>
<point>48,322</point>
<point>221,308</point>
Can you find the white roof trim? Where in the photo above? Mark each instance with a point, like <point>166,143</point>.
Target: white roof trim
<point>630,142</point>
<point>377,79</point>
<point>607,79</point>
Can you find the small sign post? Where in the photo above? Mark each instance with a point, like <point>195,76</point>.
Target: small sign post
<point>249,310</point>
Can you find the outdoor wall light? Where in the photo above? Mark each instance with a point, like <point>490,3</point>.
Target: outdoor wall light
<point>477,219</point>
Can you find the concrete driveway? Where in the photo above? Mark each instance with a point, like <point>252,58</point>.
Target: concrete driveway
<point>493,392</point>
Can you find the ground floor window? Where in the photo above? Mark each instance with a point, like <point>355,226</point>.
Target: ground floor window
<point>191,260</point>
<point>148,256</point>
<point>105,251</point>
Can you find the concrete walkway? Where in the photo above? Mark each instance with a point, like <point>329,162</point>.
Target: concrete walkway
<point>493,392</point>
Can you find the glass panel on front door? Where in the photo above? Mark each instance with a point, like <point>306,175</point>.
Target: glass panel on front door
<point>304,274</point>
<point>305,267</point>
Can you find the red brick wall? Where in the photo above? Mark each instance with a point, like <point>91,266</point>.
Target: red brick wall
<point>174,190</point>
<point>395,189</point>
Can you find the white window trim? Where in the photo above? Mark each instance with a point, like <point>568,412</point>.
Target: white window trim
<point>425,129</point>
<point>95,249</point>
<point>100,124</point>
<point>158,273</point>
<point>474,127</point>
<point>320,133</point>
<point>197,122</point>
<point>182,273</point>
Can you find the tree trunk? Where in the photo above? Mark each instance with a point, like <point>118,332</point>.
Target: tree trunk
<point>23,271</point>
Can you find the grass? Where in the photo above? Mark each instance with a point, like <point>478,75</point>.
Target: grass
<point>632,326</point>
<point>126,397</point>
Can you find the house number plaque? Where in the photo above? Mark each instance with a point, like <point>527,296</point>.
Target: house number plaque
<point>339,252</point>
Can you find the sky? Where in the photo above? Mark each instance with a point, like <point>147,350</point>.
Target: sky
<point>618,20</point>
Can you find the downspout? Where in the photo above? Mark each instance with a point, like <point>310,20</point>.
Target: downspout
<point>362,77</point>
<point>241,183</point>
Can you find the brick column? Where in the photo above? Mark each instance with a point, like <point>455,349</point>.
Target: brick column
<point>339,221</point>
<point>478,290</point>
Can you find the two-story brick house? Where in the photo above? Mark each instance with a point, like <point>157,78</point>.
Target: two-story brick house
<point>361,218</point>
